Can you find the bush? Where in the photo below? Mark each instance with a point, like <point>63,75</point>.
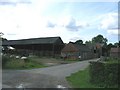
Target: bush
<point>5,59</point>
<point>26,60</point>
<point>111,74</point>
<point>24,63</point>
<point>96,73</point>
<point>104,74</point>
<point>14,64</point>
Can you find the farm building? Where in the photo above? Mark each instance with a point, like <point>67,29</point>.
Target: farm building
<point>115,52</point>
<point>75,51</point>
<point>48,46</point>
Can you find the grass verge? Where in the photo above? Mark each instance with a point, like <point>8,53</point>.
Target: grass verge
<point>21,64</point>
<point>80,79</point>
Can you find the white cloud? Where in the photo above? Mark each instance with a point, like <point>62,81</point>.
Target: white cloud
<point>109,21</point>
<point>113,32</point>
<point>14,2</point>
<point>50,24</point>
<point>73,39</point>
<point>23,21</point>
<point>71,24</point>
<point>28,21</point>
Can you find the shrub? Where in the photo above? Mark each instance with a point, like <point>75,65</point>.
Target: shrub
<point>14,64</point>
<point>111,74</point>
<point>26,60</point>
<point>104,74</point>
<point>96,72</point>
<point>5,59</point>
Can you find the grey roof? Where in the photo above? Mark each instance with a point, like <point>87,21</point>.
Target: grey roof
<point>82,48</point>
<point>45,40</point>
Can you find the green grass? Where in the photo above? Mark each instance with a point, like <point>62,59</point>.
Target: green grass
<point>113,60</point>
<point>32,65</point>
<point>32,62</point>
<point>13,63</point>
<point>52,60</point>
<point>80,79</point>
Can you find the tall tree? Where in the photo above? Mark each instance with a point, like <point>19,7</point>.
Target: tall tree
<point>119,44</point>
<point>1,40</point>
<point>110,45</point>
<point>99,39</point>
<point>88,42</point>
<point>79,42</point>
<point>1,34</point>
<point>103,41</point>
<point>4,39</point>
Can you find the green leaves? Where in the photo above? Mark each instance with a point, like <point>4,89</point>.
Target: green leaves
<point>79,42</point>
<point>104,74</point>
<point>99,39</point>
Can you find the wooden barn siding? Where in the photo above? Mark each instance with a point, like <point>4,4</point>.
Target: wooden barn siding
<point>86,55</point>
<point>75,55</point>
<point>24,52</point>
<point>115,54</point>
<point>70,55</point>
<point>40,50</point>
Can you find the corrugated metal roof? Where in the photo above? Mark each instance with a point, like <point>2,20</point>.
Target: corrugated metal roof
<point>45,40</point>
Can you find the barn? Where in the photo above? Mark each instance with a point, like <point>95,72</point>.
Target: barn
<point>115,52</point>
<point>75,51</point>
<point>46,46</point>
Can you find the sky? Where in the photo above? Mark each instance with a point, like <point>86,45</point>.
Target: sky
<point>71,20</point>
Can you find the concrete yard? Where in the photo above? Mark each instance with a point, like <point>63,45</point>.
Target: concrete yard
<point>49,77</point>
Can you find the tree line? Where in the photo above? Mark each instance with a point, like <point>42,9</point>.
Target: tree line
<point>100,39</point>
<point>97,39</point>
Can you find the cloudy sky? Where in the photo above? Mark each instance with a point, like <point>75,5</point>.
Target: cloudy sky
<point>70,20</point>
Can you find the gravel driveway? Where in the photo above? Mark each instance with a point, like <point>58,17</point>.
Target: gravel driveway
<point>49,77</point>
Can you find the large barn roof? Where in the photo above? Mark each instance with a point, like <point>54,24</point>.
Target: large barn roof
<point>44,40</point>
<point>71,47</point>
<point>82,47</point>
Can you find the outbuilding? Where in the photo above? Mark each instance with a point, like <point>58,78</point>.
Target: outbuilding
<point>46,46</point>
<point>115,52</point>
<point>75,51</point>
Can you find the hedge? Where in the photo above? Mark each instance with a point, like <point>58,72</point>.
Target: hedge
<point>104,74</point>
<point>5,59</point>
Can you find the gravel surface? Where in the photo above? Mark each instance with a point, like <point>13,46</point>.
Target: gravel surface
<point>49,77</point>
<point>31,80</point>
<point>62,70</point>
